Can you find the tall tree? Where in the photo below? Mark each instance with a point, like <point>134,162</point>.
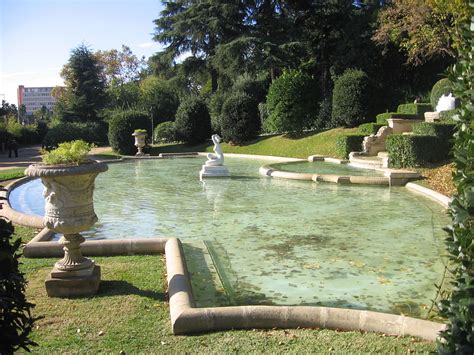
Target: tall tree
<point>198,27</point>
<point>121,66</point>
<point>85,93</point>
<point>423,29</point>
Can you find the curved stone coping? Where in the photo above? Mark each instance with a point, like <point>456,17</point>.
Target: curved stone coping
<point>13,215</point>
<point>186,320</point>
<point>436,196</point>
<point>268,170</point>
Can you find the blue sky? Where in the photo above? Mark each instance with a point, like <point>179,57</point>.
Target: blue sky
<point>36,36</point>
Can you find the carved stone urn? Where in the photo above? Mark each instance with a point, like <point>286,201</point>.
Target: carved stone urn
<point>140,141</point>
<point>69,210</point>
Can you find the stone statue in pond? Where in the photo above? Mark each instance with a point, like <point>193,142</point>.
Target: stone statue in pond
<point>214,166</point>
<point>218,158</point>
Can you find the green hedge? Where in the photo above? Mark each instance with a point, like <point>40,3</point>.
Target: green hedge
<point>370,128</point>
<point>415,150</point>
<point>382,118</point>
<point>91,132</point>
<point>444,131</point>
<point>351,99</point>
<point>414,109</point>
<point>291,103</point>
<point>193,123</point>
<point>164,132</point>
<point>347,143</point>
<point>121,127</point>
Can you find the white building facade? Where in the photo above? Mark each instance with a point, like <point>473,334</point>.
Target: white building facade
<point>35,97</point>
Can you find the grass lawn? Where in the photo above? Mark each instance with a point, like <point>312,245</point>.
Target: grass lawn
<point>10,174</point>
<point>131,314</point>
<point>323,143</point>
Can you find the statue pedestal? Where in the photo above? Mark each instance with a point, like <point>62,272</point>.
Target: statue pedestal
<point>213,171</point>
<point>78,283</point>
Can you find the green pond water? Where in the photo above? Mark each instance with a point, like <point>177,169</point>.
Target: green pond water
<point>319,167</point>
<point>251,239</point>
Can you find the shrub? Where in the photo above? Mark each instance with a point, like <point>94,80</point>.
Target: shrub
<point>383,117</point>
<point>29,135</point>
<point>347,143</point>
<point>240,118</point>
<point>440,88</point>
<point>370,128</point>
<point>444,131</point>
<point>42,128</point>
<point>447,116</point>
<point>351,99</point>
<point>5,136</point>
<point>165,132</point>
<point>16,321</point>
<point>67,153</point>
<point>418,109</point>
<point>193,123</point>
<point>91,132</point>
<point>121,126</point>
<point>323,118</point>
<point>414,150</point>
<point>291,103</point>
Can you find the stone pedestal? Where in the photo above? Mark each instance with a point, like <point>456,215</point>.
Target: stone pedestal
<point>84,282</point>
<point>213,171</point>
<point>431,116</point>
<point>399,125</point>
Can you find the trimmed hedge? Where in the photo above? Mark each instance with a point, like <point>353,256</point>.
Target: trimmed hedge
<point>444,131</point>
<point>291,103</point>
<point>193,123</point>
<point>351,99</point>
<point>164,132</point>
<point>382,118</point>
<point>418,109</point>
<point>121,126</point>
<point>447,116</point>
<point>414,150</point>
<point>370,128</point>
<point>91,132</point>
<point>240,119</point>
<point>347,143</point>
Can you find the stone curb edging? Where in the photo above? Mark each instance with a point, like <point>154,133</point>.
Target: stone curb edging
<point>392,177</point>
<point>440,198</point>
<point>17,217</point>
<point>187,320</point>
<point>268,170</point>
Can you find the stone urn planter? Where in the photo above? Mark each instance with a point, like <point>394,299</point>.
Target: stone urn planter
<point>69,210</point>
<point>140,137</point>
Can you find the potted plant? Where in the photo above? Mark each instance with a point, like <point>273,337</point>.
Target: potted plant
<point>140,137</point>
<point>68,177</point>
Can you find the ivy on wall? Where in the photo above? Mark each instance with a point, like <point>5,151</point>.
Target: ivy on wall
<point>459,307</point>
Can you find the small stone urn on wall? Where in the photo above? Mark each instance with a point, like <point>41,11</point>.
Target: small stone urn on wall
<point>140,136</point>
<point>69,210</point>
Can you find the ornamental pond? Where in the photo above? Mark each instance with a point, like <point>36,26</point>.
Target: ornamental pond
<point>251,239</point>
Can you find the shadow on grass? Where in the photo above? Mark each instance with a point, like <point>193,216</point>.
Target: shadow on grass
<point>123,288</point>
